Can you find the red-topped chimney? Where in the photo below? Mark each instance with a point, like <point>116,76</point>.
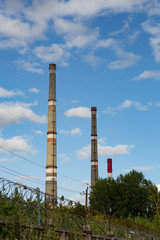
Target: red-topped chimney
<point>109,167</point>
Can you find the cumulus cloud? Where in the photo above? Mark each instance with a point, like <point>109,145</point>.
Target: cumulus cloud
<point>29,67</point>
<point>37,132</point>
<point>140,168</point>
<point>82,112</point>
<point>154,31</point>
<point>125,59</point>
<point>155,74</point>
<point>4,93</point>
<point>32,21</point>
<point>17,143</point>
<point>34,90</point>
<point>104,151</point>
<point>54,52</point>
<point>126,105</point>
<point>12,113</point>
<point>158,186</point>
<point>72,132</point>
<point>76,131</point>
<point>64,132</point>
<point>64,157</point>
<point>92,60</point>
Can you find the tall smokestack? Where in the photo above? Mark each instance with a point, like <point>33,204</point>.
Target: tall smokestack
<point>51,167</point>
<point>109,167</point>
<point>94,154</point>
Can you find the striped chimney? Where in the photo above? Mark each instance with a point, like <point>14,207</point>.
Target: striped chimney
<point>94,154</point>
<point>109,167</point>
<point>51,167</point>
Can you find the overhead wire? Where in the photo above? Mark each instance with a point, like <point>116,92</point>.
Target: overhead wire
<point>23,175</point>
<point>22,157</point>
<point>74,179</point>
<point>17,176</point>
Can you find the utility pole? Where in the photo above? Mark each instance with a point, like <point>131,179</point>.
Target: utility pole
<point>86,205</point>
<point>38,207</point>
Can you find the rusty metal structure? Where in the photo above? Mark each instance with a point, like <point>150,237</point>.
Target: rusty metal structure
<point>94,151</point>
<point>51,166</point>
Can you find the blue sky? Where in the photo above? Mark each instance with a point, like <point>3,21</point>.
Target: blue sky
<point>107,55</point>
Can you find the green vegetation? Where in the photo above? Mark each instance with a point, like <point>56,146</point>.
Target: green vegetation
<point>28,217</point>
<point>130,197</point>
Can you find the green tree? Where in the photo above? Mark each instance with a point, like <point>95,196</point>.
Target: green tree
<point>127,195</point>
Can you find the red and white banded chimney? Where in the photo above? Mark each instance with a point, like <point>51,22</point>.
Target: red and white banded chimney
<point>51,166</point>
<point>94,152</point>
<point>109,167</point>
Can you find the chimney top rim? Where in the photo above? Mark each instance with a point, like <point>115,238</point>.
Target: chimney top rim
<point>52,65</point>
<point>93,108</point>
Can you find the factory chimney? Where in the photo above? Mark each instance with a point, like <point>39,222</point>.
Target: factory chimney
<point>51,167</point>
<point>109,167</point>
<point>94,154</point>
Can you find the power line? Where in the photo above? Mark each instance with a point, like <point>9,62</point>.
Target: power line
<point>22,157</point>
<point>15,175</point>
<point>23,175</point>
<point>74,179</point>
<point>68,190</point>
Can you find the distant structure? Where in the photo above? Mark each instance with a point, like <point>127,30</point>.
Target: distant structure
<point>109,167</point>
<point>94,154</point>
<point>51,166</point>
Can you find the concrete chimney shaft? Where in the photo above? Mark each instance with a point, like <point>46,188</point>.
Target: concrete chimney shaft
<point>51,167</point>
<point>94,152</point>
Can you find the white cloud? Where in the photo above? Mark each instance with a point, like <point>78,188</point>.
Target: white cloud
<point>72,132</point>
<point>126,105</point>
<point>53,53</point>
<point>78,198</point>
<point>34,90</point>
<point>64,157</point>
<point>126,59</point>
<point>4,93</point>
<point>12,113</point>
<point>158,186</point>
<point>65,132</point>
<point>124,28</point>
<point>92,60</point>
<point>29,67</point>
<point>82,112</point>
<point>37,132</point>
<point>31,22</point>
<point>4,159</point>
<point>75,101</point>
<point>155,74</point>
<point>107,43</point>
<point>17,31</point>
<point>104,151</point>
<point>154,40</point>
<point>102,140</point>
<point>16,143</point>
<point>76,131</point>
<point>76,34</point>
<point>140,168</point>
